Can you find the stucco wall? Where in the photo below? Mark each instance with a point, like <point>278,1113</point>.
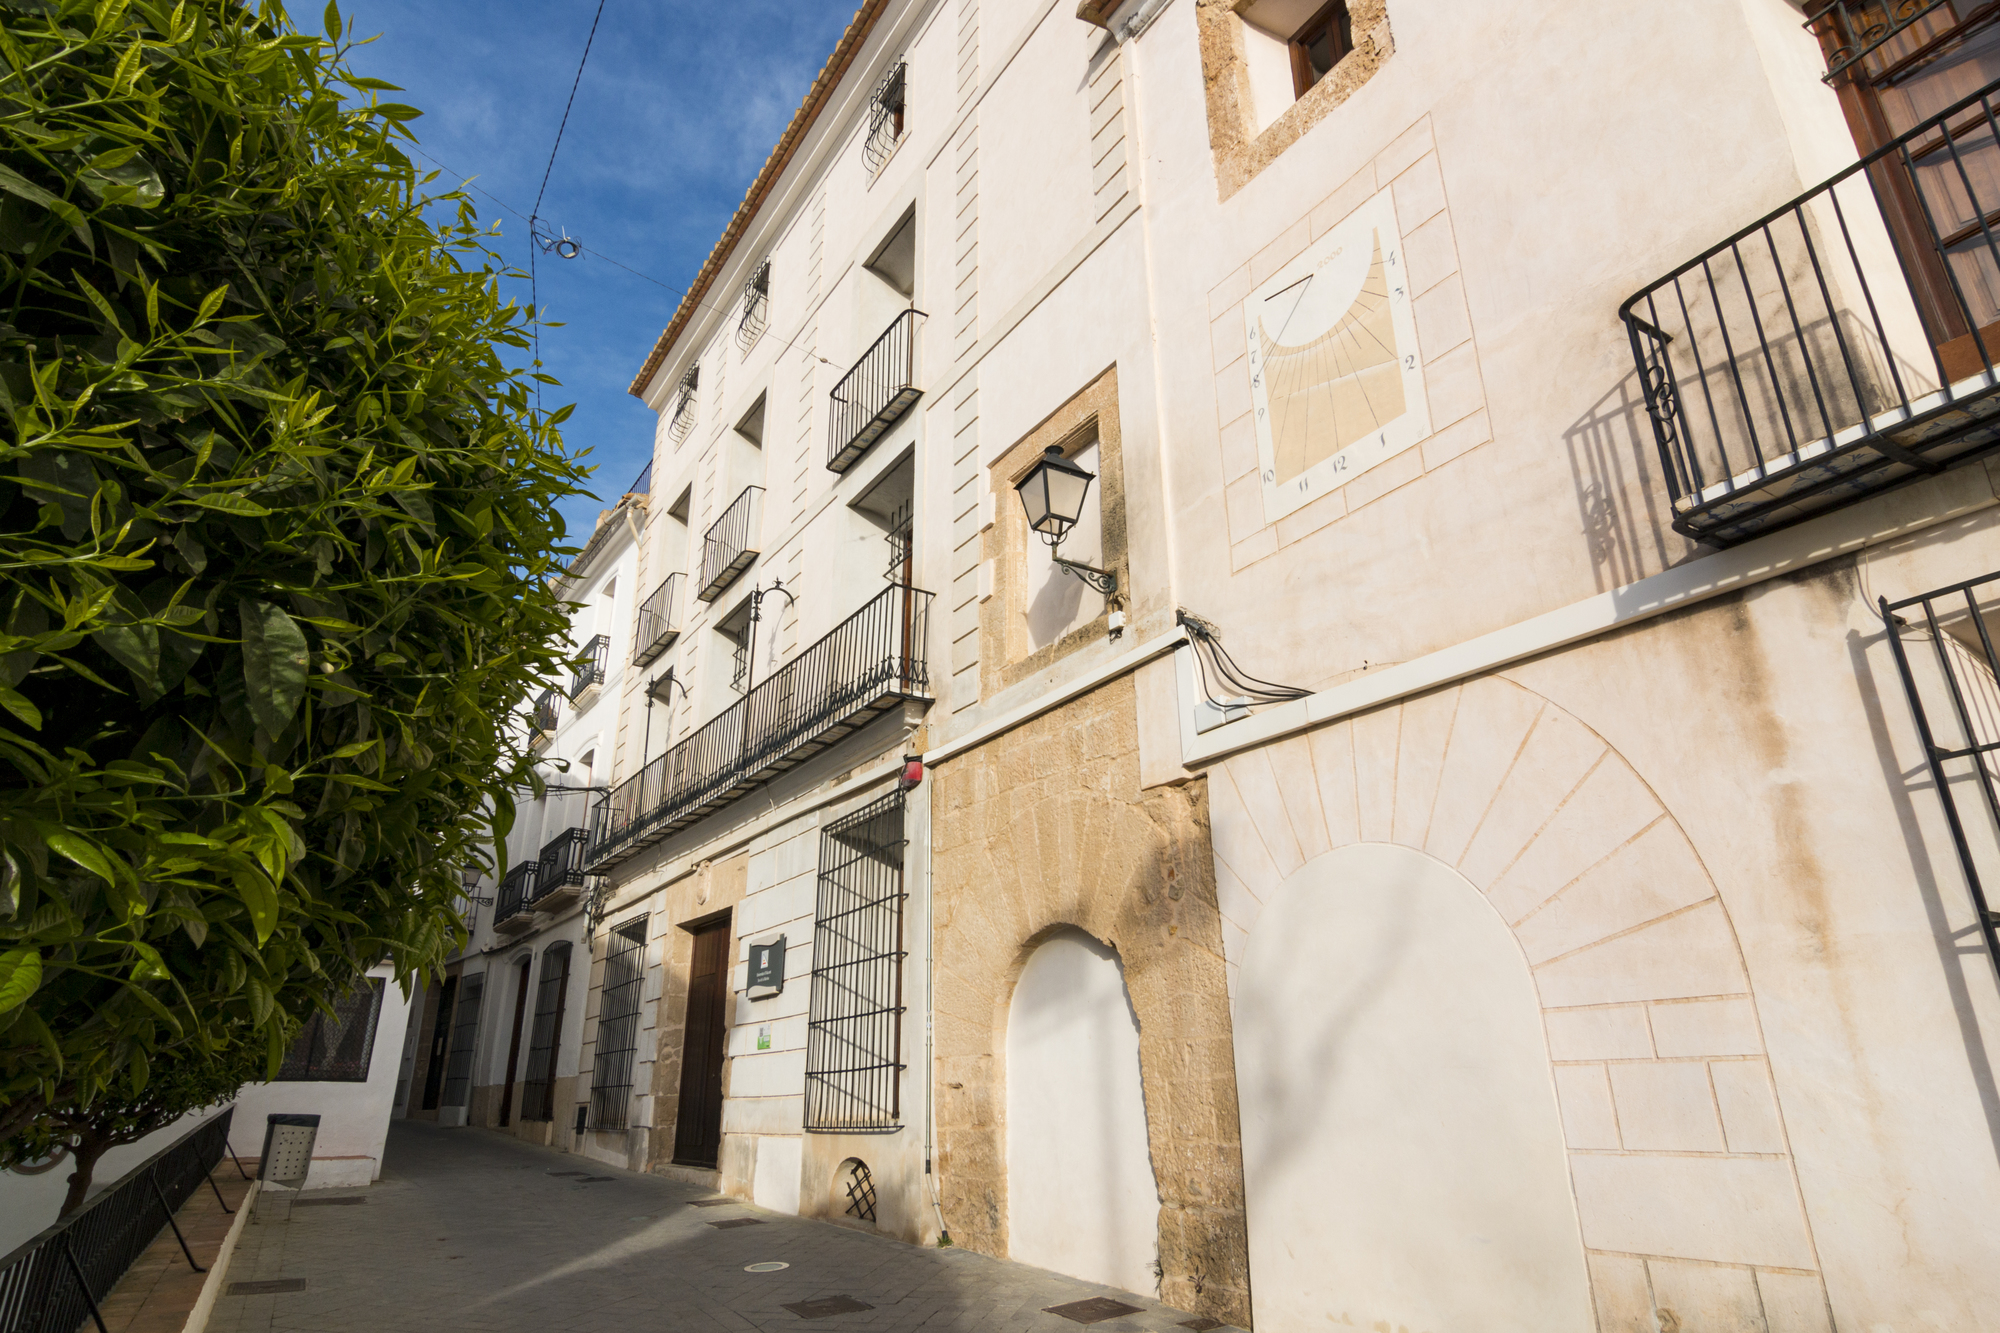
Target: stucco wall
<point>1046,827</point>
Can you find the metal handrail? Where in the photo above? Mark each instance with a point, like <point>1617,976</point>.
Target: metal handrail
<point>875,392</point>
<point>560,863</point>
<point>1783,374</point>
<point>517,890</point>
<point>596,657</point>
<point>729,545</point>
<point>874,655</point>
<point>659,621</point>
<point>55,1281</point>
<point>547,711</point>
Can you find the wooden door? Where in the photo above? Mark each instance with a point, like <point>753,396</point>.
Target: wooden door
<point>440,1038</point>
<point>698,1128</point>
<point>514,1043</point>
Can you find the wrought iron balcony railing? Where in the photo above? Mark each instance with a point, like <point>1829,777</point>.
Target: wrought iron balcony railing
<point>872,396</point>
<point>731,543</point>
<point>1841,345</point>
<point>869,663</point>
<point>512,906</point>
<point>596,657</point>
<point>559,871</point>
<point>547,712</point>
<point>659,621</point>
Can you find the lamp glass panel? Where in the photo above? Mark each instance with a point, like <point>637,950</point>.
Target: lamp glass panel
<point>1066,492</point>
<point>1034,493</point>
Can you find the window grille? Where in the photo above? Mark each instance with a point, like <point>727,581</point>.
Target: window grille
<point>756,307</point>
<point>681,420</point>
<point>538,1096</point>
<point>464,1032</point>
<point>618,1025</point>
<point>860,1184</point>
<point>1945,654</point>
<point>854,1024</point>
<point>902,525</point>
<point>337,1048</point>
<point>885,117</point>
<point>547,712</point>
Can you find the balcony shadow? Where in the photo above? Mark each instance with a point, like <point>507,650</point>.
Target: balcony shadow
<point>1621,498</point>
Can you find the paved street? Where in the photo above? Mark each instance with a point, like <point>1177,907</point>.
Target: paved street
<point>472,1232</point>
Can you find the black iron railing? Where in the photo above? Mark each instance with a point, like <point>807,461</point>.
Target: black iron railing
<point>561,863</point>
<point>1944,652</point>
<point>55,1282</point>
<point>867,664</point>
<point>659,621</point>
<point>618,1025</point>
<point>596,657</point>
<point>1840,345</point>
<point>1879,34</point>
<point>643,483</point>
<point>873,395</point>
<point>854,1016</point>
<point>547,711</point>
<point>731,543</point>
<point>756,307</point>
<point>517,890</point>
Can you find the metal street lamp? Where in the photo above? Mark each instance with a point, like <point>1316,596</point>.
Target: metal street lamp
<point>1052,494</point>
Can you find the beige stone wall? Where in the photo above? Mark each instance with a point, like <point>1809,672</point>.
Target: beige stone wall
<point>1044,827</point>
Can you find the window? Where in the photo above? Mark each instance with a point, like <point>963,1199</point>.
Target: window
<point>751,424</point>
<point>854,1023</point>
<point>1318,46</point>
<point>680,417</point>
<point>735,632</point>
<point>464,1032</point>
<point>618,1025</point>
<point>885,117</point>
<point>336,1048</point>
<point>538,1096</point>
<point>756,307</point>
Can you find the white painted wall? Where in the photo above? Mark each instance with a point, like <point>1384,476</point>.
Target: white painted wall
<point>1402,1150</point>
<point>1081,1197</point>
<point>354,1117</point>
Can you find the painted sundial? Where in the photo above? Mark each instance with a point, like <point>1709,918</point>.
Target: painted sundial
<point>1334,378</point>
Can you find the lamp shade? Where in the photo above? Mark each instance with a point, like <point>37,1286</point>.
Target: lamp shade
<point>1052,494</point>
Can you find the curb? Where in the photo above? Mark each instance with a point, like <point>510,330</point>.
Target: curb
<point>218,1268</point>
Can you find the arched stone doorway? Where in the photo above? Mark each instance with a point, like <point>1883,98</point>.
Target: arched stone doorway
<point>1081,1197</point>
<point>1402,1147</point>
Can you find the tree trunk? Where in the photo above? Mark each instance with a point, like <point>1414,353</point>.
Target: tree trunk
<point>85,1154</point>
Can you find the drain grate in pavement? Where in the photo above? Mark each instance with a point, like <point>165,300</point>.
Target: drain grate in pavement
<point>566,1173</point>
<point>735,1222</point>
<point>592,1180</point>
<point>827,1305</point>
<point>768,1266</point>
<point>1201,1325</point>
<point>1095,1310</point>
<point>708,1203</point>
<point>325,1203</point>
<point>267,1288</point>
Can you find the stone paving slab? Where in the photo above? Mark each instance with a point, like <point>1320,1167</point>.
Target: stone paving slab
<point>159,1289</point>
<point>478,1232</point>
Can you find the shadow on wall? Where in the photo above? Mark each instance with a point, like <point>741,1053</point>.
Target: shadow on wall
<point>1621,498</point>
<point>1962,957</point>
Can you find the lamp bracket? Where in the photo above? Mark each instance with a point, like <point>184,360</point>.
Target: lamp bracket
<point>1102,580</point>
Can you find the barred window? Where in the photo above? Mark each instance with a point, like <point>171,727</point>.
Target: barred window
<point>886,106</point>
<point>854,1024</point>
<point>618,1025</point>
<point>337,1048</point>
<point>681,419</point>
<point>538,1096</point>
<point>756,306</point>
<point>464,1032</point>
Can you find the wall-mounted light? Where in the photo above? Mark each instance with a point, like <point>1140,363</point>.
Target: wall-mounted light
<point>1052,494</point>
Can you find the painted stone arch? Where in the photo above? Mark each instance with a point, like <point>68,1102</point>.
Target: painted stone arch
<point>1685,1193</point>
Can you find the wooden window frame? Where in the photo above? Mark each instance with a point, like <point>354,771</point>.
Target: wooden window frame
<point>1333,14</point>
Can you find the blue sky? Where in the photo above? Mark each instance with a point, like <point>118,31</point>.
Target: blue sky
<point>679,105</point>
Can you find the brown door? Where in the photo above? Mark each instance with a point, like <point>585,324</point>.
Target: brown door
<point>514,1043</point>
<point>440,1038</point>
<point>1941,200</point>
<point>698,1129</point>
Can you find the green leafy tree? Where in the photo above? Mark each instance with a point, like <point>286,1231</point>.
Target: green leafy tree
<point>277,525</point>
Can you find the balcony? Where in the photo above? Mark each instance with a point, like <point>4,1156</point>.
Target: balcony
<point>659,621</point>
<point>1842,345</point>
<point>596,657</point>
<point>559,872</point>
<point>875,394</point>
<point>545,715</point>
<point>512,912</point>
<point>870,663</point>
<point>730,543</point>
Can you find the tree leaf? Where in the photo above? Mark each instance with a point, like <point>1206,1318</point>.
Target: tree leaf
<point>20,975</point>
<point>275,663</point>
<point>82,851</point>
<point>17,703</point>
<point>261,899</point>
<point>225,502</point>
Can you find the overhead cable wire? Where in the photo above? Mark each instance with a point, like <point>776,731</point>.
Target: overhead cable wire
<point>1231,673</point>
